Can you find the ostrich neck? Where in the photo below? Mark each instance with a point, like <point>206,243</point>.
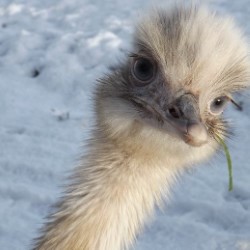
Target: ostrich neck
<point>113,193</point>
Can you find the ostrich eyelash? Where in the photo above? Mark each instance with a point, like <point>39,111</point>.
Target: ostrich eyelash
<point>238,106</point>
<point>133,55</point>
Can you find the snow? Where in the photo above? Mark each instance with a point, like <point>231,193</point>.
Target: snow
<point>51,52</point>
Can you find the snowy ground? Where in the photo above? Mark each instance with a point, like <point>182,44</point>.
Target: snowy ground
<point>50,53</point>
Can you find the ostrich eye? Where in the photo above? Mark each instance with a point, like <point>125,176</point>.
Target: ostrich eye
<point>143,71</point>
<point>217,106</point>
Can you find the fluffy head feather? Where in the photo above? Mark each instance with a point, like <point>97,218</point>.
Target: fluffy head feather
<point>197,50</point>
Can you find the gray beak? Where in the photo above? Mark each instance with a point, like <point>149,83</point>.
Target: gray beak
<point>184,116</point>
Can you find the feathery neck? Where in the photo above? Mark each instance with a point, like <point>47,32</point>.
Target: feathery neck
<point>127,170</point>
<point>113,193</point>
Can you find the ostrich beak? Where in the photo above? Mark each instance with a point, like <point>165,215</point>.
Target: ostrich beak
<point>184,117</point>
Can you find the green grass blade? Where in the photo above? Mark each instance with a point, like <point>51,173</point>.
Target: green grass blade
<point>229,163</point>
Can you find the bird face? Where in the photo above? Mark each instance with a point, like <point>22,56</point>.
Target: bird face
<point>174,110</point>
<point>185,65</point>
<point>177,112</point>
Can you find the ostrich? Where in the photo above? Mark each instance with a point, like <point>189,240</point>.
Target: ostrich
<point>157,114</point>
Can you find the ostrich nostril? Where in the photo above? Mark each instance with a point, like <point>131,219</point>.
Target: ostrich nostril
<point>174,112</point>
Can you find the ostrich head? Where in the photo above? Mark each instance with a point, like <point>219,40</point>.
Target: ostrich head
<point>169,94</point>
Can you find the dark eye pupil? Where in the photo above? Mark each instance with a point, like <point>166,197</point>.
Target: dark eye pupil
<point>218,102</point>
<point>143,70</point>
